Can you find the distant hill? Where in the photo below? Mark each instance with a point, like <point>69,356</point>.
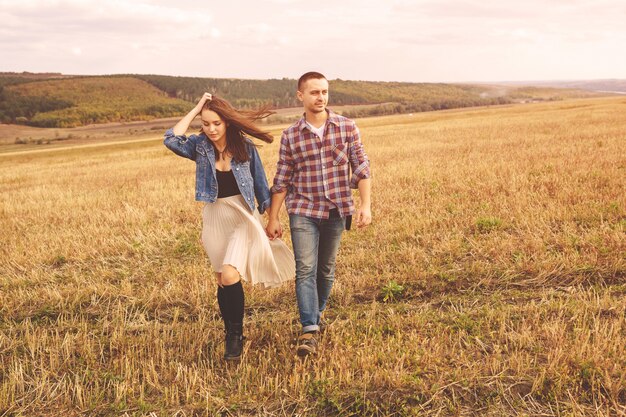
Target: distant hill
<point>12,78</point>
<point>57,100</point>
<point>617,86</point>
<point>281,93</point>
<point>78,101</point>
<point>609,85</point>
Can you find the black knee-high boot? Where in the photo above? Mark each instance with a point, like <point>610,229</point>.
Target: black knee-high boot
<point>221,302</point>
<point>231,301</point>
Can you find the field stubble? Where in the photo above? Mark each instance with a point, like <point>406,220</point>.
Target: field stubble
<point>498,232</point>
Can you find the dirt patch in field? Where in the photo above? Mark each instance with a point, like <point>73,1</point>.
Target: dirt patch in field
<point>11,134</point>
<point>27,135</point>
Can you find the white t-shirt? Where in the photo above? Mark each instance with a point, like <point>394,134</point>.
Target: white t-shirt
<point>318,130</point>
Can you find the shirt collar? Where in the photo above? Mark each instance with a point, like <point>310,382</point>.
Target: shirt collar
<point>332,118</point>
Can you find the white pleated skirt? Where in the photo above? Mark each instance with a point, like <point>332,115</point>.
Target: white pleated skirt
<point>232,235</point>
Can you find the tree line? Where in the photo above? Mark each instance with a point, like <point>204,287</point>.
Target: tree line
<point>59,101</point>
<point>280,93</point>
<point>78,101</point>
<point>16,108</point>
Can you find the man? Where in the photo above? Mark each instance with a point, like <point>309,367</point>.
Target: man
<point>313,175</point>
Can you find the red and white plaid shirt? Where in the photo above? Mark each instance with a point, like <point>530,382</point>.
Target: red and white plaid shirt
<point>316,171</point>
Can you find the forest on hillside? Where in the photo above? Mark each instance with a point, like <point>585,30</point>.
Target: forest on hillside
<point>80,101</point>
<point>56,100</point>
<point>280,93</point>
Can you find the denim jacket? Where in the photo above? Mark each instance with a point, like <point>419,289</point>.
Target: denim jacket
<point>250,175</point>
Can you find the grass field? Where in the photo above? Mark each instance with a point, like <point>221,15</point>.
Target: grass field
<point>491,282</point>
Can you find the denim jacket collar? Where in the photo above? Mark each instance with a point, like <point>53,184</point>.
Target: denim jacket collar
<point>209,151</point>
<point>208,148</point>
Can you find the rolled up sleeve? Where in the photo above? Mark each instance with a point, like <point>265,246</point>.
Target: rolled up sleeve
<point>284,167</point>
<point>359,161</point>
<point>181,145</point>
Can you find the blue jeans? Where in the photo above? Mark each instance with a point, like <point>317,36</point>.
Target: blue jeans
<point>315,245</point>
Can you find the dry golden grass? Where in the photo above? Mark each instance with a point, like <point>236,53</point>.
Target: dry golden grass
<point>490,283</point>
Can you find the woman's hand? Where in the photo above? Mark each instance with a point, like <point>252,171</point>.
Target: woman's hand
<point>205,97</point>
<point>181,127</point>
<point>274,229</point>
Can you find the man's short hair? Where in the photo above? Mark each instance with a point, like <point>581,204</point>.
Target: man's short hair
<point>309,76</point>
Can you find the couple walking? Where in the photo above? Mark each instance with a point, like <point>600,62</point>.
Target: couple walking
<point>321,159</point>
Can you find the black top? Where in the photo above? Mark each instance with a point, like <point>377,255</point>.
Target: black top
<point>226,184</point>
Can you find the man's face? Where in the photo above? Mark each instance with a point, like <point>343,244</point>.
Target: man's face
<point>314,95</point>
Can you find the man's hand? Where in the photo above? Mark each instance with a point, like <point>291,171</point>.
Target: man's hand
<point>274,229</point>
<point>363,217</point>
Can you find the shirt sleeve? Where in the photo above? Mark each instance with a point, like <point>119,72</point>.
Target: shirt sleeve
<point>284,167</point>
<point>359,161</point>
<point>181,145</point>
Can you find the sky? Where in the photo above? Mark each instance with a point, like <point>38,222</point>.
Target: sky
<point>376,40</point>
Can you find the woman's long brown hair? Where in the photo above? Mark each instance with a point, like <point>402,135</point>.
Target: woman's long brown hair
<point>239,122</point>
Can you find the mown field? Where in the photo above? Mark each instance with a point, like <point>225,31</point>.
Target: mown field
<point>491,282</point>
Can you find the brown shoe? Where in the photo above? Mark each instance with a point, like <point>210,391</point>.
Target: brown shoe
<point>307,344</point>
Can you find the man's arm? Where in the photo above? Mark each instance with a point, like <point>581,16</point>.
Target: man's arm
<point>364,213</point>
<point>361,178</point>
<point>282,181</point>
<point>274,229</point>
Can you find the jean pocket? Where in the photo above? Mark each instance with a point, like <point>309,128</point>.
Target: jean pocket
<point>340,157</point>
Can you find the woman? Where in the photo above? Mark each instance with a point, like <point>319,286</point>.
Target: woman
<point>229,175</point>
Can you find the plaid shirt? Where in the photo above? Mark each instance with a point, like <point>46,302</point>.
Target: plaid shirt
<point>316,172</point>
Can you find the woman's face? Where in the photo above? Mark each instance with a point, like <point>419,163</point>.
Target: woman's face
<point>214,127</point>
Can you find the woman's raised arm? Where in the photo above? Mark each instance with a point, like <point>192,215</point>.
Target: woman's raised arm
<point>181,127</point>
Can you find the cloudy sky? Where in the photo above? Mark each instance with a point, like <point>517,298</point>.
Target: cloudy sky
<point>385,40</point>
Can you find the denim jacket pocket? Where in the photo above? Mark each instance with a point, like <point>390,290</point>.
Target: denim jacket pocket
<point>200,149</point>
<point>340,157</point>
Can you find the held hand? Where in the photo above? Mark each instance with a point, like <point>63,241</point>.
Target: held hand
<point>274,229</point>
<point>363,217</point>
